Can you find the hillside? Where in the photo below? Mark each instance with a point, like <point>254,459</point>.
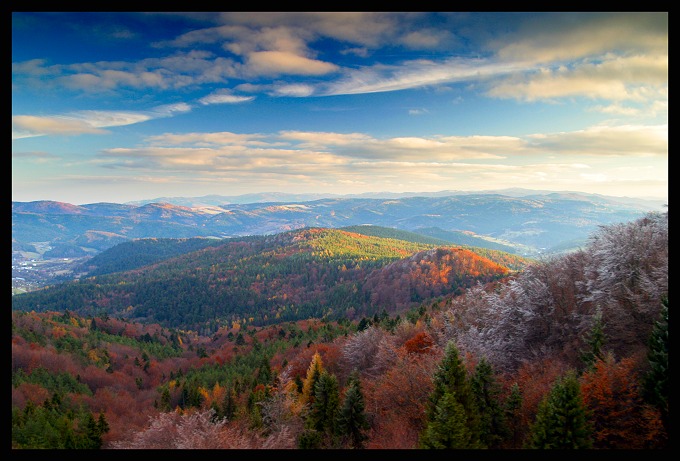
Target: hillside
<point>106,381</point>
<point>310,273</point>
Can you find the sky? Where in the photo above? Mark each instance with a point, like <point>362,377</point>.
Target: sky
<point>128,106</point>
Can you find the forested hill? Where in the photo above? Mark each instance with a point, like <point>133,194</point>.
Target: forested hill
<point>579,340</point>
<point>309,273</point>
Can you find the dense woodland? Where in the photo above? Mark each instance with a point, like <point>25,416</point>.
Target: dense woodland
<point>309,273</point>
<point>569,352</point>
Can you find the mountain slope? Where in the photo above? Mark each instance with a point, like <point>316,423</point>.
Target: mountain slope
<point>309,273</point>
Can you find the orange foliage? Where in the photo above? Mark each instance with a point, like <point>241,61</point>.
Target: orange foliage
<point>535,381</point>
<point>421,343</point>
<point>620,418</point>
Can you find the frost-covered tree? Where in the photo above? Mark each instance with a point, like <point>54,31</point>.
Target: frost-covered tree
<point>360,350</point>
<point>627,275</point>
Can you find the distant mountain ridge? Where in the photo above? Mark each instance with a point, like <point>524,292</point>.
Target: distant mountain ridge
<point>216,200</point>
<point>532,223</point>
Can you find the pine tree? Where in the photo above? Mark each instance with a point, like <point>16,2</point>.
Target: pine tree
<point>165,400</point>
<point>595,341</point>
<point>352,422</point>
<point>447,428</point>
<point>322,416</point>
<point>561,421</point>
<point>493,427</point>
<point>313,374</point>
<point>512,409</point>
<point>451,377</point>
<point>229,404</point>
<point>656,381</point>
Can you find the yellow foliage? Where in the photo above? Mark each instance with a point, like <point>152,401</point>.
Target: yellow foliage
<point>74,322</point>
<point>92,355</point>
<point>313,372</point>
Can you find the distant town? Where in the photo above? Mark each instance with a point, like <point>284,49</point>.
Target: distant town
<point>32,270</point>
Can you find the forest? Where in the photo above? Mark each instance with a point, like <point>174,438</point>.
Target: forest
<point>202,284</point>
<point>568,352</point>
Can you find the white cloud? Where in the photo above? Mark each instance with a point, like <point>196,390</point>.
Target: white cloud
<point>282,62</point>
<point>223,97</point>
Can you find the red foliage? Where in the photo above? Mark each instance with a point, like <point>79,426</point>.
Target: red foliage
<point>396,400</point>
<point>421,343</point>
<point>535,381</point>
<point>619,416</point>
<point>28,391</point>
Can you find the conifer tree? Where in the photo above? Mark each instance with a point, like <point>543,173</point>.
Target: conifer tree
<point>313,374</point>
<point>493,428</point>
<point>447,428</point>
<point>512,408</point>
<point>352,421</point>
<point>656,381</point>
<point>326,403</point>
<point>561,421</point>
<point>595,341</point>
<point>451,377</point>
<point>229,404</point>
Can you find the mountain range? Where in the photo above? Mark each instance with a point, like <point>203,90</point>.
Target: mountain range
<point>526,222</point>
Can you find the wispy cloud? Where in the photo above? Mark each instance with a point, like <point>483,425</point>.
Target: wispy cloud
<point>86,121</point>
<point>307,152</point>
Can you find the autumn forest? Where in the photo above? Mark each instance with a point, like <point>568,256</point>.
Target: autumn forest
<point>324,338</point>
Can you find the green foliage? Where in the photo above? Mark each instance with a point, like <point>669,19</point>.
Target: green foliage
<point>656,381</point>
<point>451,378</point>
<point>324,408</point>
<point>447,427</point>
<point>56,383</point>
<point>493,429</point>
<point>512,410</point>
<point>310,439</point>
<point>56,425</point>
<point>352,422</point>
<point>595,341</point>
<point>561,421</point>
<point>397,234</point>
<point>137,253</point>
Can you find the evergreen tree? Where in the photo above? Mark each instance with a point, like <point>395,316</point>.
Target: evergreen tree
<point>513,407</point>
<point>229,403</point>
<point>352,422</point>
<point>656,381</point>
<point>313,374</point>
<point>561,421</point>
<point>264,374</point>
<point>322,416</point>
<point>493,428</point>
<point>447,428</point>
<point>165,400</point>
<point>451,377</point>
<point>595,341</point>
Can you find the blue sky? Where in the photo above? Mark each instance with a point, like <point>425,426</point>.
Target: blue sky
<point>117,107</point>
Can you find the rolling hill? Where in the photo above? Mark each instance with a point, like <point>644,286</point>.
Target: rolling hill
<point>308,273</point>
